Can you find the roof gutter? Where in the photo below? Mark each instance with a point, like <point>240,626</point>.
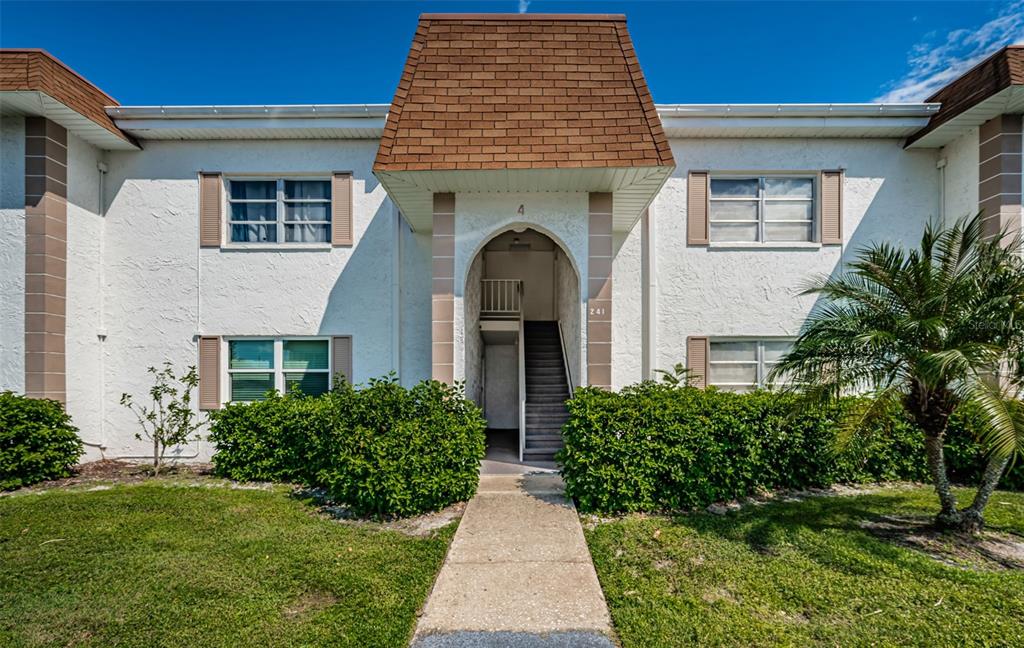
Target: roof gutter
<point>304,111</point>
<point>863,110</point>
<point>312,111</point>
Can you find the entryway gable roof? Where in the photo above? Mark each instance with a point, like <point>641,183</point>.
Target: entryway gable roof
<point>521,91</point>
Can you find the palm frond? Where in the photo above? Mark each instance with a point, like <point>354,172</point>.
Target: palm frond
<point>1003,432</point>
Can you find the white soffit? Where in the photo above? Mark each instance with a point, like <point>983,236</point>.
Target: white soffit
<point>794,120</point>
<point>1007,101</point>
<point>633,187</point>
<point>326,121</point>
<point>34,103</point>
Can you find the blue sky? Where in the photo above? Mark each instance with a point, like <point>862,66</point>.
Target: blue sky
<point>350,52</point>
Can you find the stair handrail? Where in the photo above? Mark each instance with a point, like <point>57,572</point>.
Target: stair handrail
<point>565,358</point>
<point>522,381</point>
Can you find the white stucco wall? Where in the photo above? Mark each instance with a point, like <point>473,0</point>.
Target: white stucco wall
<point>961,176</point>
<point>12,254</point>
<point>83,350</point>
<point>627,305</point>
<point>473,341</point>
<point>415,342</point>
<point>162,290</point>
<point>889,194</point>
<point>570,311</point>
<point>479,217</point>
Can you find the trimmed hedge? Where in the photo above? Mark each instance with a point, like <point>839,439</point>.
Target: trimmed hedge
<point>381,449</point>
<point>654,447</point>
<point>37,441</point>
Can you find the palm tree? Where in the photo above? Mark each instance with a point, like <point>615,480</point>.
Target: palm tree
<point>931,329</point>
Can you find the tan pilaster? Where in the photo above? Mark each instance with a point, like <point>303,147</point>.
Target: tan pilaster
<point>46,226</point>
<point>999,174</point>
<point>443,290</point>
<point>599,291</point>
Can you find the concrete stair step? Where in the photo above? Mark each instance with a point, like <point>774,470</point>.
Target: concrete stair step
<point>547,391</point>
<point>545,438</point>
<point>547,417</point>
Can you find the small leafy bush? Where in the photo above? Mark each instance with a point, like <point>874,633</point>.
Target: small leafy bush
<point>655,446</point>
<point>37,441</point>
<point>380,449</point>
<point>169,419</point>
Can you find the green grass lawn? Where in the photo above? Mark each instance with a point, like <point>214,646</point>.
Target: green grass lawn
<point>803,573</point>
<point>163,564</point>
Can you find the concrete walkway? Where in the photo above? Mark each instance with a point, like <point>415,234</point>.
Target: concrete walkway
<point>518,573</point>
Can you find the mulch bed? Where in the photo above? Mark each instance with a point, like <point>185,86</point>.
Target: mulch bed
<point>121,472</point>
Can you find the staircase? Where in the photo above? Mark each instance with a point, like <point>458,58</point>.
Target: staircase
<point>546,391</point>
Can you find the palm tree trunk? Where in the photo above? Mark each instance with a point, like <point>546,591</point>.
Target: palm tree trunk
<point>932,409</point>
<point>949,515</point>
<point>972,519</point>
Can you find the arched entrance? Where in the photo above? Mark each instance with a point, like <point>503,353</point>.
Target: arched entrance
<point>522,340</point>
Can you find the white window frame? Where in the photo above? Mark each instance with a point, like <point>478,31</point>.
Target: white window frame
<point>281,211</point>
<point>762,368</point>
<point>278,369</point>
<point>762,199</point>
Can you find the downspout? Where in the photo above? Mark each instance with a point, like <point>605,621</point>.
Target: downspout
<point>396,295</point>
<point>101,333</point>
<point>941,166</point>
<point>649,285</point>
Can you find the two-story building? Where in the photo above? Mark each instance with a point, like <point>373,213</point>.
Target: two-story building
<point>522,217</point>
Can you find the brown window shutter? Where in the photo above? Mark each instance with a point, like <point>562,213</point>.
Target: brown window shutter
<point>831,207</point>
<point>697,352</point>
<point>210,205</point>
<point>342,352</point>
<point>698,194</point>
<point>209,373</point>
<point>341,209</point>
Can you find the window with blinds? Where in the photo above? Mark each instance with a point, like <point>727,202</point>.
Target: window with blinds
<point>257,367</point>
<point>279,211</point>
<point>744,365</point>
<point>762,209</point>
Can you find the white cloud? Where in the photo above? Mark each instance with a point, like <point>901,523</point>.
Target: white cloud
<point>934,62</point>
<point>524,5</point>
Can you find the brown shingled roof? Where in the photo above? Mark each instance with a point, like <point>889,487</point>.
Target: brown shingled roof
<point>520,91</point>
<point>1003,69</point>
<point>39,71</point>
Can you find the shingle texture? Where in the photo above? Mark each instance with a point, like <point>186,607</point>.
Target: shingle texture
<point>37,70</point>
<point>1003,69</point>
<point>520,92</point>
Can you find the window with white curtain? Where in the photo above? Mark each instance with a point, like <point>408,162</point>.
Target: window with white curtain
<point>279,211</point>
<point>287,365</point>
<point>744,364</point>
<point>762,209</point>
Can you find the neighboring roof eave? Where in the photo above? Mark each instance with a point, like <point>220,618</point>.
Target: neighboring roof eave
<point>74,100</point>
<point>985,82</point>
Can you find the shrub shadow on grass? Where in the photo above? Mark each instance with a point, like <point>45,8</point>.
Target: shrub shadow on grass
<point>318,503</point>
<point>804,528</point>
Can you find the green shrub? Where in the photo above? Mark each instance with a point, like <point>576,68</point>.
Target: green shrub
<point>381,449</point>
<point>37,441</point>
<point>654,446</point>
